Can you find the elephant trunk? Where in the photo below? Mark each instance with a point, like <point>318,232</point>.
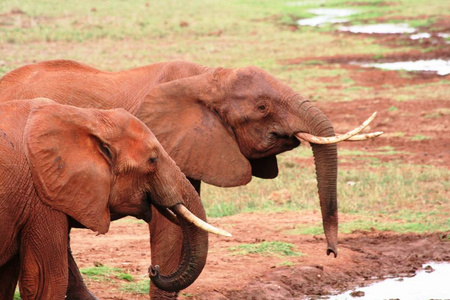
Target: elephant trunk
<point>325,158</point>
<point>181,263</point>
<point>193,260</point>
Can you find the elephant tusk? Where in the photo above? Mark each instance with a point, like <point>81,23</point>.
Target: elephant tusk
<point>182,211</point>
<point>350,136</point>
<point>364,136</point>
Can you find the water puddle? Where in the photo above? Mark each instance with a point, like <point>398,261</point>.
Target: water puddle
<point>418,36</point>
<point>338,15</point>
<point>327,15</point>
<point>431,283</point>
<point>379,28</point>
<point>442,67</point>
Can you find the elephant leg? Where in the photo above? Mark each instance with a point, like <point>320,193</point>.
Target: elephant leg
<point>77,289</point>
<point>9,275</point>
<point>43,255</point>
<point>166,246</point>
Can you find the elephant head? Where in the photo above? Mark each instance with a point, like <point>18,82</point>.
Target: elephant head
<point>231,124</point>
<point>98,165</point>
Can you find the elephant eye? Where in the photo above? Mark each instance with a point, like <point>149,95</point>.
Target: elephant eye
<point>105,149</point>
<point>153,159</point>
<point>263,107</point>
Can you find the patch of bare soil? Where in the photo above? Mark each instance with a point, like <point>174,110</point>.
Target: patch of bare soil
<point>363,257</point>
<point>418,131</point>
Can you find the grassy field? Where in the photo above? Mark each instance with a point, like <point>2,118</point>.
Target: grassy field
<point>115,35</point>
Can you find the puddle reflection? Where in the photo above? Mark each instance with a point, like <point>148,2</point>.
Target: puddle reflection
<point>379,28</point>
<point>327,15</point>
<point>442,67</point>
<point>431,283</point>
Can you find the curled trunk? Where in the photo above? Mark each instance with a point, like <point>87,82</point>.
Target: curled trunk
<point>193,259</point>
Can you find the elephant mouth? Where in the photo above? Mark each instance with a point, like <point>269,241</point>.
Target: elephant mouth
<point>147,207</point>
<point>282,142</point>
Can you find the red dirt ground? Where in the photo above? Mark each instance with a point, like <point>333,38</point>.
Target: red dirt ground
<point>363,256</point>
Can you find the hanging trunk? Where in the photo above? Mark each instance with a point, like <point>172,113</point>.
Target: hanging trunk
<point>325,158</point>
<point>194,252</point>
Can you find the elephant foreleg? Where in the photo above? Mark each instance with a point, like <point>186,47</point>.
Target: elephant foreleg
<point>9,275</point>
<point>43,256</point>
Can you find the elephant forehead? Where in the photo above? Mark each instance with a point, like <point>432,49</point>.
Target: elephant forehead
<point>138,130</point>
<point>141,139</point>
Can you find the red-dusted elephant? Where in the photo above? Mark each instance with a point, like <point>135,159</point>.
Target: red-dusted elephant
<point>59,161</point>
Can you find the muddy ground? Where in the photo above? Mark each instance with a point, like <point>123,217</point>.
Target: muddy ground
<point>363,256</point>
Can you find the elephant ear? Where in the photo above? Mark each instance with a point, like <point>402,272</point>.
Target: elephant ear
<point>69,163</point>
<point>180,114</point>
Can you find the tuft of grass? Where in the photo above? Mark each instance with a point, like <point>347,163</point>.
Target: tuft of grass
<point>445,237</point>
<point>438,113</point>
<point>393,108</point>
<point>125,276</point>
<point>396,134</point>
<point>419,137</point>
<point>141,287</point>
<point>274,248</point>
<point>105,273</point>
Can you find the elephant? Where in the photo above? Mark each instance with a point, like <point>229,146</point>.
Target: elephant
<point>60,162</point>
<point>220,125</point>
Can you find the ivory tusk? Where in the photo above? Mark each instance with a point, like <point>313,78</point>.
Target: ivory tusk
<point>341,137</point>
<point>182,211</point>
<point>364,136</point>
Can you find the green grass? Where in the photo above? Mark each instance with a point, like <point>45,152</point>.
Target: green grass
<point>403,221</point>
<point>105,273</point>
<point>438,113</point>
<point>141,287</point>
<point>374,188</point>
<point>114,35</point>
<point>419,137</point>
<point>274,248</point>
<point>393,108</point>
